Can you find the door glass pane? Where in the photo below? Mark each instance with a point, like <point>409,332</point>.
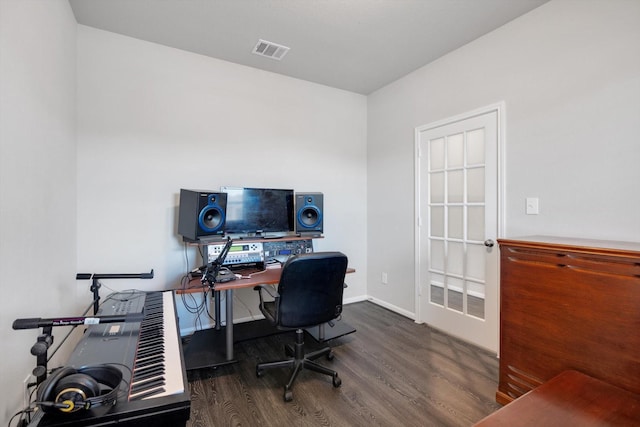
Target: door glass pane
<point>455,258</point>
<point>475,147</point>
<point>475,223</point>
<point>456,222</point>
<point>436,154</point>
<point>475,185</point>
<point>437,255</point>
<point>437,221</point>
<point>455,291</point>
<point>436,294</point>
<point>437,187</point>
<point>475,261</point>
<point>475,299</point>
<point>455,151</point>
<point>455,186</point>
<point>436,289</point>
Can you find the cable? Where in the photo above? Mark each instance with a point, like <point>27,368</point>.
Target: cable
<point>22,412</point>
<point>192,306</point>
<point>127,294</point>
<point>235,297</point>
<point>250,275</point>
<point>186,255</point>
<point>208,276</point>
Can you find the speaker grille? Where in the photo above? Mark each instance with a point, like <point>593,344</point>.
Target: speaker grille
<point>212,218</point>
<point>309,216</point>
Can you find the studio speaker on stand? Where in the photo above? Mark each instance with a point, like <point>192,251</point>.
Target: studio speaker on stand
<point>309,213</point>
<point>201,213</point>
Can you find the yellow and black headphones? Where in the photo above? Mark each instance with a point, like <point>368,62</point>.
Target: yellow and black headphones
<point>70,390</point>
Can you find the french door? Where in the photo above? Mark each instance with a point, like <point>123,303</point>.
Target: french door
<point>458,195</point>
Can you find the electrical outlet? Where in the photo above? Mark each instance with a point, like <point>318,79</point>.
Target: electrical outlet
<point>385,279</point>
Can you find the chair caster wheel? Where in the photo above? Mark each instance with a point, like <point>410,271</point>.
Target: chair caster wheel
<point>259,372</point>
<point>337,382</point>
<point>288,395</point>
<point>330,355</point>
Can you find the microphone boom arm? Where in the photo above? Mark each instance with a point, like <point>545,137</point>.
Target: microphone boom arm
<point>213,268</point>
<point>95,284</point>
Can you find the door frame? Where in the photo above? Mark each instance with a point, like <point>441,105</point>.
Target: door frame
<point>499,108</point>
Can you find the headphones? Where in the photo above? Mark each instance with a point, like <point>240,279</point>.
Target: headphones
<point>70,390</point>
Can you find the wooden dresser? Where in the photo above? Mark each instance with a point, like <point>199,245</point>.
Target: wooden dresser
<point>568,304</point>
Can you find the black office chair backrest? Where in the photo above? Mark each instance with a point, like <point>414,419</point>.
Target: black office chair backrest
<point>311,289</point>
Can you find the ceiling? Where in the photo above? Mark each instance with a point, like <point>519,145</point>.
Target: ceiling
<point>355,45</point>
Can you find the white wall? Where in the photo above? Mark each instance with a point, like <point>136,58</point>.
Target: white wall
<point>37,182</point>
<point>569,73</point>
<point>152,120</point>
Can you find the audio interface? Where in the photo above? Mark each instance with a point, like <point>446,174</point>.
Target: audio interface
<point>239,253</point>
<point>282,249</point>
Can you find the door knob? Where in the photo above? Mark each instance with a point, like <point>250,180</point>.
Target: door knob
<point>489,243</point>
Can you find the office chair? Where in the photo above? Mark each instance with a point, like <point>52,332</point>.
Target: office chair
<point>309,294</point>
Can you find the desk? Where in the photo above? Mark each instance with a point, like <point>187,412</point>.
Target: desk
<point>569,399</point>
<point>203,349</point>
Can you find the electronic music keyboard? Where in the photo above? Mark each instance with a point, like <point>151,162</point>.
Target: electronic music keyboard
<point>154,390</point>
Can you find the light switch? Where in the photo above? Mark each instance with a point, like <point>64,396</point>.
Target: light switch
<point>532,206</point>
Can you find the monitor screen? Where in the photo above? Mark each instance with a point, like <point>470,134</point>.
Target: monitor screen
<point>258,210</point>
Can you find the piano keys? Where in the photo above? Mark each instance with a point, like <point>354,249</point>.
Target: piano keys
<point>154,390</point>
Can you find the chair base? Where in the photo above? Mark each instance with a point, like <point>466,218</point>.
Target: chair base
<point>300,361</point>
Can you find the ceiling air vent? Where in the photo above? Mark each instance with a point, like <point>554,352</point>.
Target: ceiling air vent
<point>270,50</point>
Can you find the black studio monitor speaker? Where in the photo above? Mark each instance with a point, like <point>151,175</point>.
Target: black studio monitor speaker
<point>309,213</point>
<point>201,214</point>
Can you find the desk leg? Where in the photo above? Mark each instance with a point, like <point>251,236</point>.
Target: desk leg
<point>216,307</point>
<point>229,325</point>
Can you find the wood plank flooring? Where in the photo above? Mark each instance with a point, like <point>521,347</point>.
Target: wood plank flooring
<point>394,373</point>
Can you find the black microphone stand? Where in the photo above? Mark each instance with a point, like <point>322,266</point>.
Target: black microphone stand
<point>210,277</point>
<point>210,274</point>
<point>44,341</point>
<point>41,348</point>
<point>95,284</point>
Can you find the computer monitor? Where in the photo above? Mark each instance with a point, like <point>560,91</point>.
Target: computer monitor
<point>258,211</point>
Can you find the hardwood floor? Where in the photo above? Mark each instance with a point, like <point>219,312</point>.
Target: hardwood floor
<point>394,373</point>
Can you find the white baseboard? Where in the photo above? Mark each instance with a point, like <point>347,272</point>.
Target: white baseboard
<point>347,301</point>
<point>393,308</point>
<point>352,300</point>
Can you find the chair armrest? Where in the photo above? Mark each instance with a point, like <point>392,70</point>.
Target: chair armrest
<point>268,289</point>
